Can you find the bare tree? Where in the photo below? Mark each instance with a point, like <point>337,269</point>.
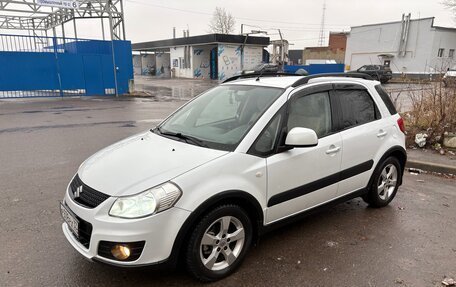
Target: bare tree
<point>222,22</point>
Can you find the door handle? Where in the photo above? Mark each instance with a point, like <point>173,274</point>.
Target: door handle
<point>382,133</point>
<point>333,149</point>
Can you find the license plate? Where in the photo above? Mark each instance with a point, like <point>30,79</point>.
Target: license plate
<point>70,219</point>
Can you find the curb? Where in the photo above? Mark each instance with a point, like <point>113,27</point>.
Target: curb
<point>432,167</point>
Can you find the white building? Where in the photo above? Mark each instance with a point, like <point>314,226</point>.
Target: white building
<point>213,56</point>
<point>413,47</point>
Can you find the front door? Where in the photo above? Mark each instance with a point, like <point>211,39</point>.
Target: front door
<point>301,178</point>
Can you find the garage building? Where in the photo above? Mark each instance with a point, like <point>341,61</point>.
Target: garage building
<point>413,47</point>
<point>212,56</point>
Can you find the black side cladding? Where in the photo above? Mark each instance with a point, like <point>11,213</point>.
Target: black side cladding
<point>319,184</point>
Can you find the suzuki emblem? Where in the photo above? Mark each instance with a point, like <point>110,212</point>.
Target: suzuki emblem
<point>78,192</point>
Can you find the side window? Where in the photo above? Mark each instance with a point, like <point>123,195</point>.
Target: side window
<point>363,69</point>
<point>386,99</point>
<point>264,145</point>
<point>311,111</point>
<point>357,107</point>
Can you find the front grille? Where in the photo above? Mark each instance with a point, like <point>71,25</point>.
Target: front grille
<point>84,229</point>
<point>136,248</point>
<point>86,196</point>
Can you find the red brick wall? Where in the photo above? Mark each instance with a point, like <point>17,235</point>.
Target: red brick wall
<point>337,41</point>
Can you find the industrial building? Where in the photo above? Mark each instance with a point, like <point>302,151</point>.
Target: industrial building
<point>212,56</point>
<point>335,51</point>
<point>413,47</point>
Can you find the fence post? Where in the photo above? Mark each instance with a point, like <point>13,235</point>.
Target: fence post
<point>54,44</point>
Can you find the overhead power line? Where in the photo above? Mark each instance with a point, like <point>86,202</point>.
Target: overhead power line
<point>240,18</point>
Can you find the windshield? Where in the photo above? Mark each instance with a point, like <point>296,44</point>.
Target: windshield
<point>220,117</point>
<point>453,69</point>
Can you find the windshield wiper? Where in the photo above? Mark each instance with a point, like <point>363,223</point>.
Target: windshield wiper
<point>187,138</point>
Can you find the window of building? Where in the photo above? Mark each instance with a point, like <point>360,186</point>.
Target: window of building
<point>441,52</point>
<point>451,54</point>
<point>357,107</point>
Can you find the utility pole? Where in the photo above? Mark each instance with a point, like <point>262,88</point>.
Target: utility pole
<point>282,51</point>
<point>321,39</point>
<point>112,47</point>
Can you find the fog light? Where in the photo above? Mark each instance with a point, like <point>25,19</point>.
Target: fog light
<point>121,251</point>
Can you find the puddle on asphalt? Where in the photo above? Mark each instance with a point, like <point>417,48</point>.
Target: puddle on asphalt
<point>174,93</point>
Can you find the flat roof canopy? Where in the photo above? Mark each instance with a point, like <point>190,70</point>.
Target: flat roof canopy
<point>201,40</point>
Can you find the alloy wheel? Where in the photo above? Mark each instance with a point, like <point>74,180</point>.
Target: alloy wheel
<point>387,182</point>
<point>222,243</point>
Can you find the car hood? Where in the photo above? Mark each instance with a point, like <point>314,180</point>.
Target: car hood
<point>141,162</point>
<point>450,74</point>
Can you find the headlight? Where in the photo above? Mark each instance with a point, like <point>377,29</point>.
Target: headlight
<point>146,203</point>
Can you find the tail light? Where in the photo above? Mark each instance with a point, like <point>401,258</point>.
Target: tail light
<point>400,123</point>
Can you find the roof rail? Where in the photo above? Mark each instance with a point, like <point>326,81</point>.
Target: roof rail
<point>256,75</point>
<point>305,80</point>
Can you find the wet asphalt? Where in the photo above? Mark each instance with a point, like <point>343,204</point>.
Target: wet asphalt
<point>412,242</point>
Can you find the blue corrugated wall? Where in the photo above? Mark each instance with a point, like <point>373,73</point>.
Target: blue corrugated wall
<point>316,68</point>
<point>80,65</point>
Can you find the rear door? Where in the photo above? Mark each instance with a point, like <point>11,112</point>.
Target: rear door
<point>363,135</point>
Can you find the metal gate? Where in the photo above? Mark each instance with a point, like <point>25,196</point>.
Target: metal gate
<point>35,66</point>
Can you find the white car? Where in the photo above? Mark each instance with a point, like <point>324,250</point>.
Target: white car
<point>229,165</point>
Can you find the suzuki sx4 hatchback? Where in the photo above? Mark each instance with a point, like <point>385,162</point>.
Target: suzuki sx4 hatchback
<point>228,165</point>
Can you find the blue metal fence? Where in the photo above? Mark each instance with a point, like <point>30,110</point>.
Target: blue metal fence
<point>32,66</point>
<point>316,68</point>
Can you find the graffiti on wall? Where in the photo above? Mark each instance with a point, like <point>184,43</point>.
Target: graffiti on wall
<point>253,56</point>
<point>163,68</point>
<point>229,62</point>
<point>201,62</point>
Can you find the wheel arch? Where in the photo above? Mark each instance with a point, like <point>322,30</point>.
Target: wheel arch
<point>238,197</point>
<point>397,152</point>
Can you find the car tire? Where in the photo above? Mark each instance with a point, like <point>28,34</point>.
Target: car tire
<point>385,183</point>
<point>218,243</point>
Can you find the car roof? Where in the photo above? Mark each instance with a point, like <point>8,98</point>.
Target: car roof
<point>265,81</point>
<point>345,80</point>
<point>288,81</point>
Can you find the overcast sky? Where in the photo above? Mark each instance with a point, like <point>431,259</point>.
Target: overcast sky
<point>299,20</point>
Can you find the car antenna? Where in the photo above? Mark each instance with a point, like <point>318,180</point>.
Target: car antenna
<point>261,73</point>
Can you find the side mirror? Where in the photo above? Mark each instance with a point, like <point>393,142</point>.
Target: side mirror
<point>301,137</point>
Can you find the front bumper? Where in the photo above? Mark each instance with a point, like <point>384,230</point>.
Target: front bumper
<point>159,232</point>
